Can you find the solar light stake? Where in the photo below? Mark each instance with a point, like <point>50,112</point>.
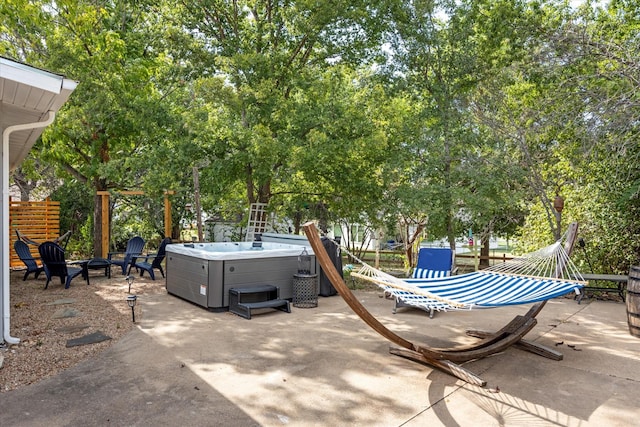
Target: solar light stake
<point>129,280</point>
<point>586,254</point>
<point>131,300</point>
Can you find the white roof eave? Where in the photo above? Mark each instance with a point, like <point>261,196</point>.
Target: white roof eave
<point>28,94</point>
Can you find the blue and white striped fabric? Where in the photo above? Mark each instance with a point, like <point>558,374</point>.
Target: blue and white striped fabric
<point>481,290</point>
<point>425,273</point>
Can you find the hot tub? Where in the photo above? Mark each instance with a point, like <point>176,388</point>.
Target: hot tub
<point>203,273</point>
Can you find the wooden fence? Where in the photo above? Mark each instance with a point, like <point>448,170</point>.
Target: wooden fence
<point>465,262</point>
<point>39,221</point>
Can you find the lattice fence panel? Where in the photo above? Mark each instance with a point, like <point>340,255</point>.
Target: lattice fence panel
<point>257,221</point>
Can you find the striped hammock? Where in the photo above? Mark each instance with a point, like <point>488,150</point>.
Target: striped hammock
<point>539,276</point>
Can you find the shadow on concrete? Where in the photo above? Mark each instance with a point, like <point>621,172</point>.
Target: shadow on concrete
<point>121,387</point>
<point>525,389</point>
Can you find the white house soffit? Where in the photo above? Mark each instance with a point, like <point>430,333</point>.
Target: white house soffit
<point>27,95</point>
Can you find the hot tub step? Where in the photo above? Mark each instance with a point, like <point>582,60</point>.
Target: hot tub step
<point>244,310</point>
<point>243,300</point>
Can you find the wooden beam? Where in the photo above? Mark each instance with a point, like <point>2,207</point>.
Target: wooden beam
<point>167,214</point>
<point>106,223</point>
<point>125,192</point>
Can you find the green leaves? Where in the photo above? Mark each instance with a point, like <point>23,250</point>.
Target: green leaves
<point>451,115</point>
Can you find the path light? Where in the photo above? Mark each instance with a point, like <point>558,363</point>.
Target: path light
<point>586,254</point>
<point>129,280</point>
<point>131,300</point>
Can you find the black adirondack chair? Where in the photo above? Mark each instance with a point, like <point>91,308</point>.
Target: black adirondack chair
<point>135,245</point>
<point>23,252</point>
<point>55,265</point>
<point>150,262</point>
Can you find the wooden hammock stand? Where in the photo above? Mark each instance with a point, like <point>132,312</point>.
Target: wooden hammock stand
<point>446,359</point>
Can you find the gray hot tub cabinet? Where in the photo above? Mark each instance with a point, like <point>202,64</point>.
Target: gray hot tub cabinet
<point>207,282</point>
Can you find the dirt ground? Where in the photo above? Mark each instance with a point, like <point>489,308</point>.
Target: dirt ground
<point>47,320</point>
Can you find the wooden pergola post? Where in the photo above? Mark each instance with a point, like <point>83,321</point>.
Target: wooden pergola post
<point>106,218</point>
<point>167,214</point>
<point>106,223</point>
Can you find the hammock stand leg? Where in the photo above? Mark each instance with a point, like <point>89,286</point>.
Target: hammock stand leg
<point>493,343</point>
<point>444,365</point>
<point>444,359</point>
<point>530,346</point>
<point>526,345</point>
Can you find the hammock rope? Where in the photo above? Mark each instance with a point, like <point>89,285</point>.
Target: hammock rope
<point>538,276</point>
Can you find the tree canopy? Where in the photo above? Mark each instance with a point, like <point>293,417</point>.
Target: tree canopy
<point>434,117</point>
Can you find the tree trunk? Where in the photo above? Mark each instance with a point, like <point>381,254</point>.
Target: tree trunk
<point>484,251</point>
<point>409,241</point>
<point>175,232</point>
<point>24,185</point>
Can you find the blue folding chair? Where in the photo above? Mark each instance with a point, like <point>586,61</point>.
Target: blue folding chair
<point>432,263</point>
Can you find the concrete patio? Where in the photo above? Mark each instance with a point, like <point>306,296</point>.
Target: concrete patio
<point>323,366</point>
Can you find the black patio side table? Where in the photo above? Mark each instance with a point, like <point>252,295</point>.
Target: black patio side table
<point>96,264</point>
